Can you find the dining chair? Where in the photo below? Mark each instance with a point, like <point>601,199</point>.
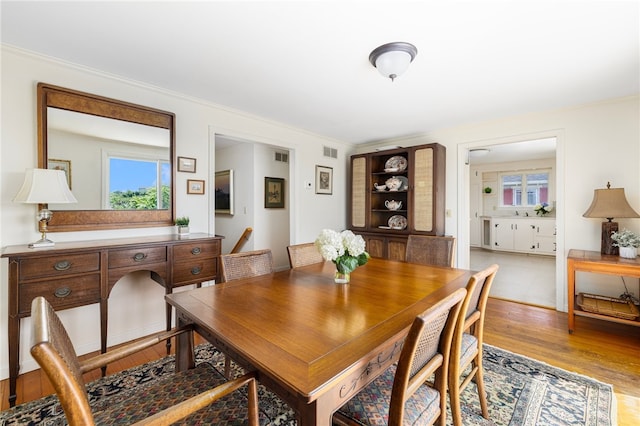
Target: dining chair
<point>303,254</point>
<point>236,266</point>
<point>467,343</point>
<point>199,387</point>
<point>431,250</point>
<point>412,400</point>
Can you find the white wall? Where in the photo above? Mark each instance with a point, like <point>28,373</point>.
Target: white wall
<point>239,158</point>
<point>196,121</point>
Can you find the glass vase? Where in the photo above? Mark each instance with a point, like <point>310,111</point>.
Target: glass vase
<point>341,278</point>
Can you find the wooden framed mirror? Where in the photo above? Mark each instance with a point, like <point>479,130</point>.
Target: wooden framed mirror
<point>119,159</point>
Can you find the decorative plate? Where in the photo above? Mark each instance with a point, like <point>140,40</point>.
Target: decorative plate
<point>396,164</point>
<point>397,222</point>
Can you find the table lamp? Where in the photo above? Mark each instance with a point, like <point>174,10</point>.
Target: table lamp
<point>43,186</point>
<point>609,203</point>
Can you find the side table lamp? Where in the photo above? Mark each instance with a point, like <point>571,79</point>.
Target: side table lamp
<point>607,204</point>
<point>44,186</point>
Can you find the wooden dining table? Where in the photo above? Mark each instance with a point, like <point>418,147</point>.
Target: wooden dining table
<point>313,342</point>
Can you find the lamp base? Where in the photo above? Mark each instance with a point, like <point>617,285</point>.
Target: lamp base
<point>607,246</point>
<point>44,242</point>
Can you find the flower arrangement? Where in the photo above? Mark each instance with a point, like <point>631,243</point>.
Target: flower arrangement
<point>625,238</point>
<point>542,209</point>
<point>345,249</point>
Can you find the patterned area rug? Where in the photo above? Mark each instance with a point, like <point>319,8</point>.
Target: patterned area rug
<point>521,391</point>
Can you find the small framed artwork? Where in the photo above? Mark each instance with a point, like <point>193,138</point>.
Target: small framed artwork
<point>186,164</point>
<point>324,180</point>
<point>64,165</point>
<point>195,186</point>
<point>273,193</point>
<point>224,192</point>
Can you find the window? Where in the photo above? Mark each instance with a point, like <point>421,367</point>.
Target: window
<point>524,188</point>
<point>138,184</point>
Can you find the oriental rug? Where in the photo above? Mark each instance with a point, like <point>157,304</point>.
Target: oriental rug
<point>521,391</point>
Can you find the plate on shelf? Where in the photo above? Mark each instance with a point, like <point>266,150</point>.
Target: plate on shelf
<point>384,227</point>
<point>396,164</point>
<point>397,222</point>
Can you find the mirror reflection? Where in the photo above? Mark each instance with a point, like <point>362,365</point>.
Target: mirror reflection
<point>110,164</point>
<point>118,157</point>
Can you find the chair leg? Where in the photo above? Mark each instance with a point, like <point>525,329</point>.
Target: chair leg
<point>227,367</point>
<point>482,395</point>
<point>454,399</point>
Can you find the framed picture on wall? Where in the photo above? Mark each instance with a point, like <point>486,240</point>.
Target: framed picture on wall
<point>324,180</point>
<point>186,164</point>
<point>64,165</point>
<point>273,193</point>
<point>224,192</point>
<point>195,186</point>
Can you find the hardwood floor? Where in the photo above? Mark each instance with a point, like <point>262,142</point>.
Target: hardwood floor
<point>605,351</point>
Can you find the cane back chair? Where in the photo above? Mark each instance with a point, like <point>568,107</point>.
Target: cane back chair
<point>303,254</point>
<point>412,400</point>
<point>431,250</point>
<point>203,395</point>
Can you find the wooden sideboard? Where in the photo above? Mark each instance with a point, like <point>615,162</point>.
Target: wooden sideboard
<point>595,262</point>
<point>76,274</point>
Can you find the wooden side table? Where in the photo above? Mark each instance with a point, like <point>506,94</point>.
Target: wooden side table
<point>595,262</point>
<point>73,274</point>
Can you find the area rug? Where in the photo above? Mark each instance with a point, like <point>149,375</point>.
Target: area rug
<point>521,392</point>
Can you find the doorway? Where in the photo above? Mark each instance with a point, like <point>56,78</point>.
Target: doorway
<point>526,278</point>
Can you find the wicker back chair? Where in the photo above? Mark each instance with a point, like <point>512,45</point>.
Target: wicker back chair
<point>468,340</point>
<point>431,250</point>
<point>304,254</point>
<point>426,351</point>
<point>52,349</point>
<point>247,264</point>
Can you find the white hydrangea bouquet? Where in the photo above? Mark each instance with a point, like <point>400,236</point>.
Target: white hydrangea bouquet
<point>542,209</point>
<point>345,249</point>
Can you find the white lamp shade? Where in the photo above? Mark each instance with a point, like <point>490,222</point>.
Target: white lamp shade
<point>394,63</point>
<point>43,186</point>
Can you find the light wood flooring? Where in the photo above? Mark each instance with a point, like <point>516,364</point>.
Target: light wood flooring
<point>605,351</point>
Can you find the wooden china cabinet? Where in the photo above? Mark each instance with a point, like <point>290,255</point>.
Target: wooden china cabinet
<point>412,201</point>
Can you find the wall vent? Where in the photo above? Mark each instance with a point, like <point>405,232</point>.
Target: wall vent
<point>282,157</point>
<point>330,152</point>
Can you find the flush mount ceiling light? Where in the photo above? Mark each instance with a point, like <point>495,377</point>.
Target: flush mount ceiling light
<point>478,152</point>
<point>393,59</point>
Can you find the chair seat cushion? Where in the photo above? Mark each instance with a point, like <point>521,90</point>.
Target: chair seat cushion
<point>371,405</point>
<point>131,406</point>
<point>469,348</point>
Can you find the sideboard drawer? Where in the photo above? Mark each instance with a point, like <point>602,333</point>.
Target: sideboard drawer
<point>58,265</point>
<point>62,293</point>
<point>137,257</point>
<point>203,249</point>
<point>195,271</point>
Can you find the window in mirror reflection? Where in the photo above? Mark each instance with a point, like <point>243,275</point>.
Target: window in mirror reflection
<point>138,184</point>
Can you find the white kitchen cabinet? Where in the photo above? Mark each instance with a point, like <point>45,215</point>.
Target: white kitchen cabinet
<point>544,236</point>
<point>523,235</point>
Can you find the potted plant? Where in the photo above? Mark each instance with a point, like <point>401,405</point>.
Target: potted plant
<point>628,243</point>
<point>487,190</point>
<point>183,225</point>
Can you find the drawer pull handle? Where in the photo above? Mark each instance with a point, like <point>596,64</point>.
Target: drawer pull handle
<point>196,270</point>
<point>139,257</point>
<point>62,265</point>
<point>196,250</point>
<point>62,292</point>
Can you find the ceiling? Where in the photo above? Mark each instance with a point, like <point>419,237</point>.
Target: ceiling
<point>305,63</point>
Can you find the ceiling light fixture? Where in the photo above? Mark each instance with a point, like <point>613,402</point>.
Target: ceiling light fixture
<point>393,59</point>
<point>478,152</point>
